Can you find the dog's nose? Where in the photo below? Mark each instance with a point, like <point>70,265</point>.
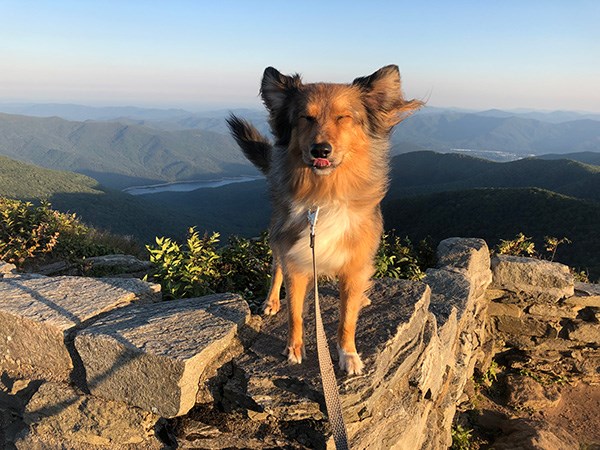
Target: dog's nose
<point>321,150</point>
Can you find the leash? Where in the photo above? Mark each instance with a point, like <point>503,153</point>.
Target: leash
<point>328,381</point>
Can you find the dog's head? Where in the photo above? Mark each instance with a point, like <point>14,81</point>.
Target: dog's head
<point>327,123</point>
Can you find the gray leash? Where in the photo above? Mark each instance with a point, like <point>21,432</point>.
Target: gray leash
<point>328,381</point>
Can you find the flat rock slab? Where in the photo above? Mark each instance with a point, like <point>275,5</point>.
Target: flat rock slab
<point>153,356</point>
<point>59,417</point>
<point>393,336</point>
<point>533,276</point>
<point>36,315</point>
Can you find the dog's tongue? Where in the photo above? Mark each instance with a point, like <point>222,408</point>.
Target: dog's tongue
<point>319,163</point>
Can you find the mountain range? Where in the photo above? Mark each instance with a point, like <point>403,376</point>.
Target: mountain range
<point>431,194</point>
<point>122,147</point>
<point>120,155</point>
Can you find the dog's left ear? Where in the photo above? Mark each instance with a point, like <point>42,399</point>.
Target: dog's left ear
<point>382,95</point>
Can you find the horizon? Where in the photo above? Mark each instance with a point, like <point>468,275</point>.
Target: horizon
<point>539,56</point>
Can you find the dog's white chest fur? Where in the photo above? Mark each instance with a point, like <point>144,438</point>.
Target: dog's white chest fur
<point>334,222</point>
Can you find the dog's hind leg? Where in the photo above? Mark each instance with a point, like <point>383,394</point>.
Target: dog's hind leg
<point>272,305</point>
<point>296,284</point>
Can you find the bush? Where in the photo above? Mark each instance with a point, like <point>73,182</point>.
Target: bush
<point>199,267</point>
<point>397,258</point>
<point>31,234</point>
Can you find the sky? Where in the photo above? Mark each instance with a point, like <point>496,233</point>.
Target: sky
<point>200,54</point>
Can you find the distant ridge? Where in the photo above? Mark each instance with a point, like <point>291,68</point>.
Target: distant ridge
<point>119,155</point>
<point>428,172</point>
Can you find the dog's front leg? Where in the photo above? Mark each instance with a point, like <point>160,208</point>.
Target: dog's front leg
<point>353,286</point>
<point>272,304</point>
<point>296,285</point>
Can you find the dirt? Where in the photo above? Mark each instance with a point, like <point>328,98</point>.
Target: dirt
<point>578,412</point>
<point>495,419</point>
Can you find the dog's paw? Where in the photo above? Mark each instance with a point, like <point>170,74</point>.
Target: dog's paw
<point>366,301</point>
<point>271,307</point>
<point>350,362</point>
<point>295,353</point>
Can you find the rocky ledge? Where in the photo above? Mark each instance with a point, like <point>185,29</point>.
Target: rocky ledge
<point>101,363</point>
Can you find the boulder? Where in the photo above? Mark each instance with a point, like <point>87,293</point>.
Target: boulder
<point>533,276</point>
<point>419,343</point>
<point>395,338</point>
<point>37,316</point>
<point>58,417</point>
<point>154,356</point>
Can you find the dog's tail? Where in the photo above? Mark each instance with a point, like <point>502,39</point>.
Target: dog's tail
<point>255,146</point>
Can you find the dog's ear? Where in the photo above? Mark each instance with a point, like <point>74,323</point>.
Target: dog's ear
<point>276,88</point>
<point>277,91</point>
<point>383,97</point>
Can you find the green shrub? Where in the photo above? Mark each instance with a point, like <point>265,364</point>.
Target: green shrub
<point>199,267</point>
<point>186,271</point>
<point>26,231</point>
<point>31,234</point>
<point>397,258</point>
<point>522,245</point>
<point>245,267</point>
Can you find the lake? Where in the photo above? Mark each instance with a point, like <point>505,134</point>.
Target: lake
<point>187,186</point>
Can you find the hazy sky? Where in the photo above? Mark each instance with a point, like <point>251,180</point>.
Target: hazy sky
<point>175,53</point>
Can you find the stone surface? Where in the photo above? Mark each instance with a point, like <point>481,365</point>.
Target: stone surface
<point>414,369</point>
<point>527,434</point>
<point>582,331</point>
<point>394,337</point>
<point>115,264</point>
<point>58,417</point>
<point>36,315</point>
<point>153,356</point>
<point>525,392</point>
<point>7,268</point>
<point>531,275</point>
<point>468,255</point>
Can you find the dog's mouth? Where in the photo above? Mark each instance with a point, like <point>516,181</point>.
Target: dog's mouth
<point>321,163</point>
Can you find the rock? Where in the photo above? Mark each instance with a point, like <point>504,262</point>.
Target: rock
<point>468,255</point>
<point>153,356</point>
<point>419,345</point>
<point>59,417</point>
<point>525,392</point>
<point>586,295</point>
<point>582,331</point>
<point>553,311</point>
<point>526,434</point>
<point>532,276</point>
<point>527,326</point>
<point>110,265</point>
<point>496,308</point>
<point>37,315</point>
<point>6,268</point>
<point>394,337</point>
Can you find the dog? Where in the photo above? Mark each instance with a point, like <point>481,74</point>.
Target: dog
<point>331,151</point>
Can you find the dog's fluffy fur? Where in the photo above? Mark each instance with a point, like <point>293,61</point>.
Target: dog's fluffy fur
<point>331,151</point>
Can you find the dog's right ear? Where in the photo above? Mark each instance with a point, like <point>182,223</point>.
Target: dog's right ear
<point>277,91</point>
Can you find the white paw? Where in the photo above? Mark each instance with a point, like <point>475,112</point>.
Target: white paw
<point>350,362</point>
<point>270,308</point>
<point>294,354</point>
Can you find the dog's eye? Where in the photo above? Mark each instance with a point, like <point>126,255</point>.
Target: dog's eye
<point>309,119</point>
<point>343,117</point>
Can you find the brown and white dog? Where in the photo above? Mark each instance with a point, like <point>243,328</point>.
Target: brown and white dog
<point>331,151</point>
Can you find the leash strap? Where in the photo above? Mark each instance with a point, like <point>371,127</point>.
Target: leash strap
<point>328,381</point>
